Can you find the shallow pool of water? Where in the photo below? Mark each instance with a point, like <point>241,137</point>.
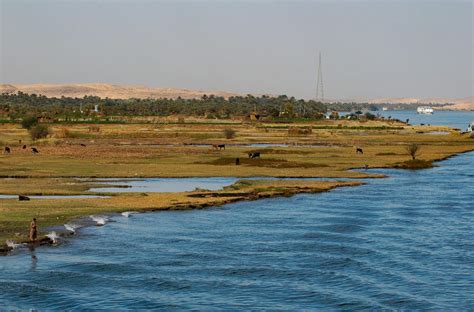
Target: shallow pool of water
<point>163,185</point>
<point>400,243</point>
<point>169,185</point>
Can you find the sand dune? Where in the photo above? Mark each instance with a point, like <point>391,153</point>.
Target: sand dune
<point>108,90</point>
<point>458,104</point>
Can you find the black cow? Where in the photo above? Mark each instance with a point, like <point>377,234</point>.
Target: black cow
<point>237,161</point>
<point>34,150</point>
<point>23,197</point>
<point>7,150</point>
<point>24,146</point>
<point>82,144</point>
<point>218,146</point>
<point>359,150</point>
<point>253,155</point>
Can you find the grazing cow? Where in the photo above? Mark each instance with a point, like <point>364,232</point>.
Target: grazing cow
<point>254,155</point>
<point>237,161</point>
<point>23,197</point>
<point>7,150</point>
<point>359,150</point>
<point>34,150</point>
<point>82,144</point>
<point>24,146</point>
<point>218,146</point>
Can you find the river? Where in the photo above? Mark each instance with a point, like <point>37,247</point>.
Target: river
<point>454,119</point>
<point>404,242</point>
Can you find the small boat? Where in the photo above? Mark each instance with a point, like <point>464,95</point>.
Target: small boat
<point>424,110</point>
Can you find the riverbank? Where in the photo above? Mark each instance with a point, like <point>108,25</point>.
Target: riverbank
<point>131,151</point>
<point>61,211</point>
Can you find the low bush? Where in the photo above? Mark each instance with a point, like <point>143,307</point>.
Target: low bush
<point>39,132</point>
<point>229,133</point>
<point>413,150</point>
<point>300,131</point>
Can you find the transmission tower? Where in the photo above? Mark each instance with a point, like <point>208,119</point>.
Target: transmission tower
<point>319,86</point>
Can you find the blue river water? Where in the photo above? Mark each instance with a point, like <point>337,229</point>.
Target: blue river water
<point>400,243</point>
<point>453,119</point>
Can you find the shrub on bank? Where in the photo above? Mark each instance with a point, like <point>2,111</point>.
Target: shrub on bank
<point>413,150</point>
<point>229,133</point>
<point>39,132</point>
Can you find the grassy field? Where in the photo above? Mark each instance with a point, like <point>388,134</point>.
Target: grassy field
<point>184,150</point>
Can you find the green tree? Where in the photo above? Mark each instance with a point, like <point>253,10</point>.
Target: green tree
<point>29,122</point>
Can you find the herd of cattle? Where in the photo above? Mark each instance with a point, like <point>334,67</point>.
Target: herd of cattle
<point>217,147</point>
<point>252,155</point>
<point>8,150</point>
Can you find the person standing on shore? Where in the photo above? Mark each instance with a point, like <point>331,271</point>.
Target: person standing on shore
<point>33,230</point>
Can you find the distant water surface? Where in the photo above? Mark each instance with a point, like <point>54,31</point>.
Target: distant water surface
<point>400,243</point>
<point>453,119</point>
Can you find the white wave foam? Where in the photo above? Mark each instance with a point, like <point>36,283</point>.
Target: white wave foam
<point>12,244</point>
<point>99,220</point>
<point>71,227</point>
<point>127,214</point>
<point>53,236</point>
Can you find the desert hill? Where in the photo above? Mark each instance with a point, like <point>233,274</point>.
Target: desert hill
<point>458,104</point>
<point>107,90</point>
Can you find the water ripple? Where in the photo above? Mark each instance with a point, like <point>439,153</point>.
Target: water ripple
<point>402,243</point>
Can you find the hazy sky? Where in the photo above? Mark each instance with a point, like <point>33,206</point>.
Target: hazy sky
<point>369,48</point>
